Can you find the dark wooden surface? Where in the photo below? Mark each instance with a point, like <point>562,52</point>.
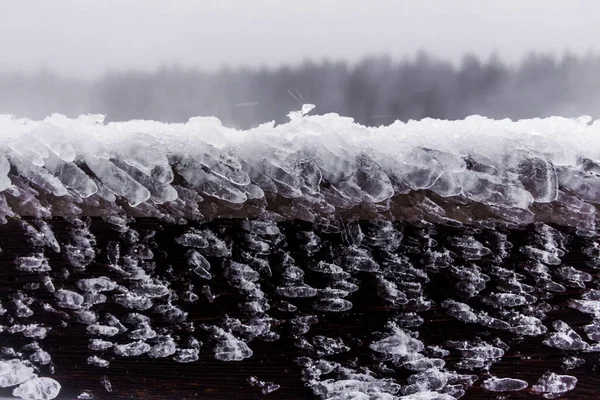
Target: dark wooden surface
<point>145,378</point>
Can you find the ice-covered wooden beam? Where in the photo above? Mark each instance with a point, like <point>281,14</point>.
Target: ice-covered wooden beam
<point>475,170</point>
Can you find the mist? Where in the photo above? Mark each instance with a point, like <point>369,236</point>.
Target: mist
<point>374,91</point>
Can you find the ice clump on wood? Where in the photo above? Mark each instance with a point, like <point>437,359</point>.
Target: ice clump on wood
<point>504,384</point>
<point>322,162</point>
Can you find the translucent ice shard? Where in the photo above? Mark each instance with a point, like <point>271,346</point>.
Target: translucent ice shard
<point>132,349</point>
<point>38,389</point>
<point>553,386</point>
<point>565,338</point>
<point>231,348</point>
<point>14,372</point>
<point>117,180</point>
<point>504,384</point>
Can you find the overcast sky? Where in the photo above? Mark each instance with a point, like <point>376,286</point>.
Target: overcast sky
<point>87,37</point>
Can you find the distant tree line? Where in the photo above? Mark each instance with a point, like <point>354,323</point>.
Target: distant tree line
<point>374,91</point>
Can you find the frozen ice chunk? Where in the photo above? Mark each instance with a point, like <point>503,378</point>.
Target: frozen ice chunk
<point>231,348</point>
<point>398,345</point>
<point>553,386</point>
<point>5,182</point>
<point>538,176</point>
<point>69,299</point>
<point>106,383</point>
<point>71,176</point>
<point>133,301</point>
<point>102,330</point>
<point>504,384</point>
<point>296,291</point>
<point>100,345</point>
<point>332,305</point>
<point>117,180</point>
<point>565,338</point>
<point>100,284</point>
<point>133,349</point>
<point>37,263</point>
<point>163,349</point>
<point>38,389</point>
<point>187,355</point>
<point>13,372</point>
<point>199,264</point>
<point>98,362</point>
<point>40,357</point>
<point>39,176</point>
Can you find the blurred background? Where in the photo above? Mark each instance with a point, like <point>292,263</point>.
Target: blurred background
<point>249,62</point>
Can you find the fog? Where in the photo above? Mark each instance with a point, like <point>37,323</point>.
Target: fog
<point>251,62</point>
<point>375,91</point>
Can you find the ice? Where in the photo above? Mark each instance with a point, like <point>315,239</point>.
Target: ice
<point>143,333</point>
<point>133,301</point>
<point>117,180</point>
<point>188,356</point>
<point>71,176</point>
<point>85,395</point>
<point>231,348</point>
<point>265,387</point>
<point>199,264</point>
<point>37,263</point>
<point>100,345</point>
<point>553,386</point>
<point>332,305</point>
<point>40,357</point>
<point>100,284</point>
<point>504,384</point>
<point>39,176</point>
<point>163,349</point>
<point>69,299</point>
<point>394,209</point>
<point>14,372</point>
<point>565,338</point>
<point>399,345</point>
<point>38,389</point>
<point>98,362</point>
<point>102,330</point>
<point>47,282</point>
<point>133,349</point>
<point>106,383</point>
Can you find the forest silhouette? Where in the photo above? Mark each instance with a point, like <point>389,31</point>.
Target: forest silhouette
<point>374,91</point>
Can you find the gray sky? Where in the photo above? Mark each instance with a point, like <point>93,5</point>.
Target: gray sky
<point>87,37</point>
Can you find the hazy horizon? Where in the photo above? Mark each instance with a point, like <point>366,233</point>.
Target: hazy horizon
<point>85,39</point>
<point>374,91</point>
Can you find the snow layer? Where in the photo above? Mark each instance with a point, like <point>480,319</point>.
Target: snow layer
<point>546,168</point>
